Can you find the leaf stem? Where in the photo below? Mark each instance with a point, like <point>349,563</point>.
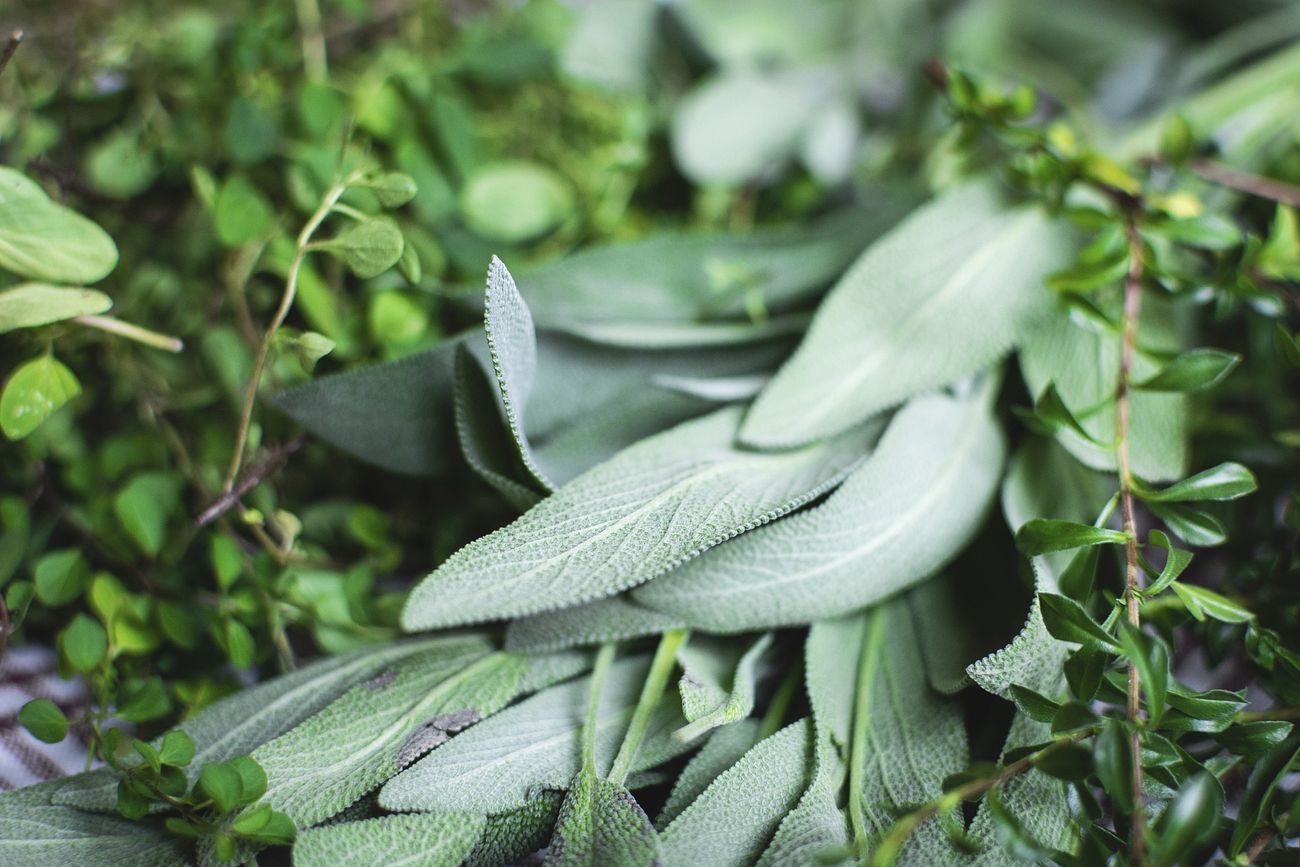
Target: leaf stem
<point>653,689</point>
<point>604,658</point>
<point>281,313</point>
<point>775,714</point>
<point>1246,182</point>
<point>314,57</point>
<point>872,644</point>
<point>131,332</point>
<point>1132,571</point>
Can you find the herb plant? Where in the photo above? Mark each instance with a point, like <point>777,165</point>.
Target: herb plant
<point>875,442</point>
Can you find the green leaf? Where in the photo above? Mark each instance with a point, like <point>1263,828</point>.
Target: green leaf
<point>735,817</point>
<point>45,241</point>
<point>742,122</point>
<point>242,213</point>
<point>1033,704</point>
<point>719,679</point>
<point>872,342</point>
<point>1194,526</point>
<point>44,720</point>
<point>1265,779</point>
<point>1067,621</point>
<point>1192,816</point>
<point>34,833</point>
<point>1073,716</point>
<point>1206,232</point>
<point>60,576</point>
<point>33,304</point>
<point>83,643</point>
<point>1051,415</point>
<point>1195,370</point>
<point>1042,536</point>
<point>429,839</point>
<point>177,749</point>
<point>515,834</point>
<point>369,248</point>
<point>1175,562</point>
<point>643,512</point>
<point>144,505</point>
<point>252,779</point>
<point>393,189</point>
<point>239,723</point>
<point>239,644</point>
<point>897,519</point>
<point>600,823</point>
<point>616,618</point>
<point>1223,482</point>
<point>1083,365</point>
<point>119,166</point>
<point>513,202</point>
<point>1151,657</point>
<point>816,825</point>
<point>1113,758</point>
<point>1201,602</point>
<point>33,393</point>
<point>723,749</point>
<point>381,726</point>
<point>500,763</point>
<point>221,784</point>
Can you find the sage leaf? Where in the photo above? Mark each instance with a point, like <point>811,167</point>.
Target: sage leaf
<point>33,304</point>
<point>723,748</point>
<point>515,834</point>
<point>33,393</point>
<point>735,817</point>
<point>382,725</point>
<point>485,442</point>
<point>368,248</point>
<point>897,519</point>
<point>816,826</point>
<point>600,824</point>
<point>872,342</point>
<point>685,278</point>
<point>616,618</point>
<point>42,240</point>
<point>719,678</point>
<point>643,512</point>
<point>1083,366</point>
<point>427,839</point>
<point>238,724</point>
<point>35,833</point>
<point>499,764</point>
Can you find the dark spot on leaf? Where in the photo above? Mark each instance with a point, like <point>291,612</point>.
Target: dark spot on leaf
<point>380,680</point>
<point>433,732</point>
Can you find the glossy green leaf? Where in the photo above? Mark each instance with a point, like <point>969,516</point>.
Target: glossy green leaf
<point>33,393</point>
<point>1202,603</point>
<point>1151,658</point>
<point>1192,816</point>
<point>1043,536</point>
<point>1066,620</point>
<point>1195,370</point>
<point>1223,482</point>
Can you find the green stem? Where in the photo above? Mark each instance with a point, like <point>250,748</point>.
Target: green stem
<point>651,692</point>
<point>604,658</point>
<point>872,644</point>
<point>131,332</point>
<point>281,313</point>
<point>314,57</point>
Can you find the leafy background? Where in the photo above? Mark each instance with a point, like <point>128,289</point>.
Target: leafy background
<point>750,154</point>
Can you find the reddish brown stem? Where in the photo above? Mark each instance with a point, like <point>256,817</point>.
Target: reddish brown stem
<point>7,53</point>
<point>1246,182</point>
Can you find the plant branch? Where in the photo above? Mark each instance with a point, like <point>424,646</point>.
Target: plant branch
<point>604,658</point>
<point>314,57</point>
<point>11,45</point>
<point>254,477</point>
<point>1247,182</point>
<point>651,692</point>
<point>1132,572</point>
<point>893,842</point>
<point>281,313</point>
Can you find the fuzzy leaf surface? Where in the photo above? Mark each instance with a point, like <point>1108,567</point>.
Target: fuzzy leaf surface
<point>719,679</point>
<point>897,519</point>
<point>616,618</point>
<point>501,763</point>
<point>36,833</point>
<point>412,840</point>
<point>648,509</point>
<point>601,825</point>
<point>383,725</point>
<point>899,322</point>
